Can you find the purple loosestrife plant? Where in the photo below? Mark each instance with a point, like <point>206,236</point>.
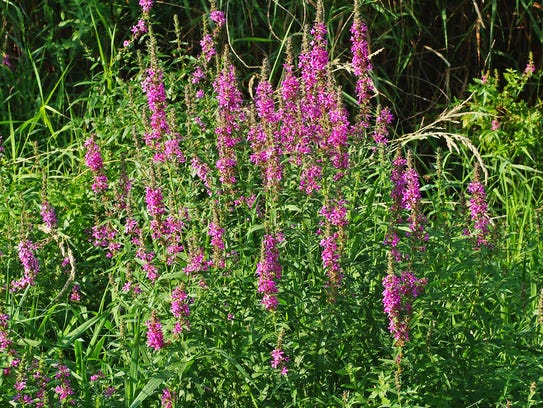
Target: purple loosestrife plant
<point>216,232</point>
<point>203,172</point>
<point>479,213</point>
<point>64,389</point>
<point>361,67</point>
<point>412,202</point>
<point>335,222</point>
<point>264,138</point>
<point>398,296</point>
<point>406,197</point>
<point>180,308</point>
<point>30,264</point>
<point>95,162</point>
<point>383,119</point>
<point>229,118</point>
<point>5,341</point>
<point>269,270</point>
<point>155,336</point>
<point>48,215</point>
<point>279,360</point>
<point>289,112</point>
<point>336,143</point>
<point>331,255</point>
<point>146,5</point>
<point>314,104</point>
<point>218,18</point>
<point>167,399</point>
<point>154,201</point>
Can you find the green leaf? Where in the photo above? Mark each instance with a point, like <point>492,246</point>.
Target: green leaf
<point>150,388</point>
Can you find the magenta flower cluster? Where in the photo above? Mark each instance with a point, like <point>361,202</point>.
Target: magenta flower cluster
<point>64,389</point>
<point>218,18</point>
<point>167,399</point>
<point>154,201</point>
<point>263,138</point>
<point>269,270</point>
<point>5,341</point>
<point>398,296</point>
<point>479,213</point>
<point>48,215</point>
<point>180,308</point>
<point>361,68</point>
<point>155,336</point>
<point>229,117</point>
<point>380,134</point>
<point>95,162</point>
<point>146,5</point>
<point>30,263</point>
<point>279,360</point>
<point>406,197</point>
<point>105,236</point>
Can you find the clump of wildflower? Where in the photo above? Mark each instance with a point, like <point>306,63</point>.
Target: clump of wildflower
<point>197,262</point>
<point>153,86</point>
<point>335,144</point>
<point>94,160</point>
<point>399,184</point>
<point>230,116</point>
<point>104,237</point>
<point>75,295</point>
<point>530,67</point>
<point>384,118</point>
<point>215,231</point>
<point>202,171</point>
<point>155,337</point>
<point>41,381</point>
<point>289,111</point>
<point>269,270</point>
<point>361,67</point>
<point>154,201</point>
<point>180,308</point>
<point>406,197</point>
<point>335,213</point>
<point>411,201</point>
<point>167,399</point>
<point>331,256</point>
<point>98,376</point>
<point>63,389</point>
<point>479,212</point>
<point>48,215</point>
<point>5,341</point>
<point>208,47</point>
<point>138,29</point>
<point>279,360</point>
<point>198,75</point>
<point>148,265</point>
<point>217,17</point>
<point>146,5</point>
<point>398,296</point>
<point>495,125</point>
<point>264,139</point>
<point>30,264</point>
<point>310,179</point>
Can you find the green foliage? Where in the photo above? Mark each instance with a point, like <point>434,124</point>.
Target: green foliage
<point>504,120</point>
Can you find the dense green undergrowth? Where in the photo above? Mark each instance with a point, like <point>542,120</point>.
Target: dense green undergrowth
<point>174,233</point>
